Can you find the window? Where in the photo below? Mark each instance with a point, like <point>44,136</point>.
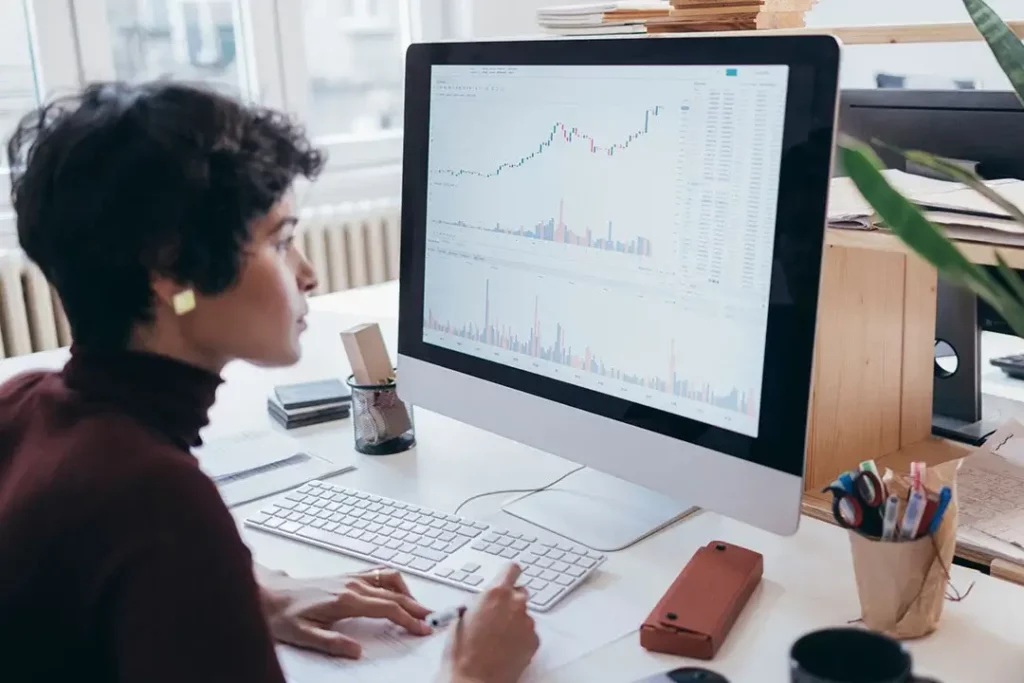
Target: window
<point>17,70</point>
<point>354,63</point>
<point>921,66</point>
<point>192,40</point>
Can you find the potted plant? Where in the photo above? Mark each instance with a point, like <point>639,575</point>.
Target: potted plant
<point>1005,291</point>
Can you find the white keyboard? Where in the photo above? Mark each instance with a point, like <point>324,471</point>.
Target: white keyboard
<point>444,548</point>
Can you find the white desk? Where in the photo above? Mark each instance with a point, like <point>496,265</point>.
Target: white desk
<point>808,582</point>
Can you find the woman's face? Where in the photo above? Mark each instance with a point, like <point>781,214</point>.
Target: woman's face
<point>260,318</point>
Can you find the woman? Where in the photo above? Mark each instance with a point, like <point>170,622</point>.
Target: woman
<point>163,217</point>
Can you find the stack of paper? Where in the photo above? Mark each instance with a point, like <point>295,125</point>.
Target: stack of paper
<point>990,491</point>
<point>601,17</point>
<point>731,15</point>
<point>963,212</point>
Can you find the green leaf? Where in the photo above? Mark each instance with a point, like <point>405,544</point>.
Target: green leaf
<point>1011,277</point>
<point>908,223</point>
<point>1006,46</point>
<point>902,217</point>
<point>967,177</point>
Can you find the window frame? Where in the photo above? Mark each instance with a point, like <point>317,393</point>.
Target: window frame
<point>72,47</point>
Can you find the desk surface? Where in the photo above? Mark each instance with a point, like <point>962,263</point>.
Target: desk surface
<point>808,581</point>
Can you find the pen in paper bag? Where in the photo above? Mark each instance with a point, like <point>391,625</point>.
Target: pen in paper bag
<point>917,474</point>
<point>892,508</point>
<point>944,497</point>
<point>912,516</point>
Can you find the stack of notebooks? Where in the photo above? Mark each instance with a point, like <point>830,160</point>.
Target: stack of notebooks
<point>601,17</point>
<point>731,15</point>
<point>309,403</point>
<point>672,16</point>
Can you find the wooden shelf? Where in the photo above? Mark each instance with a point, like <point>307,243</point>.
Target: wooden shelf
<point>884,241</point>
<point>873,35</point>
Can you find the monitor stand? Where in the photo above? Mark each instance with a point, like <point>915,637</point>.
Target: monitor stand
<point>598,510</point>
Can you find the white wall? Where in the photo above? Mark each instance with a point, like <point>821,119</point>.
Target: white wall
<point>491,18</point>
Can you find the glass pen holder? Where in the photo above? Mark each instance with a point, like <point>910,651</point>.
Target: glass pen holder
<point>382,422</point>
<point>902,586</point>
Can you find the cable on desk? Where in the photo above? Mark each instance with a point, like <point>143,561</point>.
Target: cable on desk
<point>547,487</point>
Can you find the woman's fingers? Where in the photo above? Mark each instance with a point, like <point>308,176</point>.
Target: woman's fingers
<point>384,578</point>
<point>324,640</point>
<point>406,602</point>
<point>364,604</point>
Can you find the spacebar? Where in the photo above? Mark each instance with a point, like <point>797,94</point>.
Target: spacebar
<point>337,540</point>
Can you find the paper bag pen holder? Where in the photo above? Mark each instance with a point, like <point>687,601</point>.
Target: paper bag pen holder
<point>902,585</point>
<point>382,423</point>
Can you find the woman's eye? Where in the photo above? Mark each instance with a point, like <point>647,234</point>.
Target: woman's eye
<point>285,244</point>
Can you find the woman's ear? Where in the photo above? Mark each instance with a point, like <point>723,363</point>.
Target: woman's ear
<point>172,294</point>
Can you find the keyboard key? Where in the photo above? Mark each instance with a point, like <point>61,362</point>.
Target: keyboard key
<point>374,527</point>
<point>403,559</point>
<point>301,507</point>
<point>437,524</point>
<point>384,554</point>
<point>470,567</point>
<point>274,522</point>
<point>490,537</point>
<point>493,549</point>
<point>560,567</point>
<point>567,546</point>
<point>466,530</point>
<point>520,545</point>
<point>537,584</point>
<point>394,544</point>
<point>433,533</point>
<point>456,544</point>
<point>331,526</point>
<point>452,526</point>
<point>297,496</point>
<point>556,554</point>
<point>508,553</point>
<point>532,571</point>
<point>571,558</point>
<point>439,545</point>
<point>528,558</point>
<point>514,534</point>
<point>505,541</point>
<point>324,514</point>
<point>259,518</point>
<point>429,553</point>
<point>546,596</point>
<point>540,549</point>
<point>530,539</point>
<point>413,538</point>
<point>286,504</point>
<point>585,562</point>
<point>544,562</point>
<point>361,524</point>
<point>318,523</point>
<point>564,580</point>
<point>474,580</point>
<point>479,525</point>
<point>399,534</point>
<point>459,576</point>
<point>548,575</point>
<point>480,545</point>
<point>306,519</point>
<point>338,540</point>
<point>422,564</point>
<point>446,536</point>
<point>443,572</point>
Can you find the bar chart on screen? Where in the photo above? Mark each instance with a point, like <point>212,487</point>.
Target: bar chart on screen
<point>628,345</point>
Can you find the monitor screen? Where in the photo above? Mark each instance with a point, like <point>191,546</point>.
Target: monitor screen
<point>610,227</point>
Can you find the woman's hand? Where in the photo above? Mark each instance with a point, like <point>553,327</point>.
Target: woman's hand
<point>494,641</point>
<point>300,612</point>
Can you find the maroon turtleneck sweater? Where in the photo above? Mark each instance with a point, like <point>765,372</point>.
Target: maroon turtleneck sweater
<point>118,559</point>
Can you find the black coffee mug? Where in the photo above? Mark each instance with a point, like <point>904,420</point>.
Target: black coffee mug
<point>850,655</point>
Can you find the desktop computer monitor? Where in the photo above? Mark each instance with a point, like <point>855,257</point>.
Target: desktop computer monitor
<point>611,251</point>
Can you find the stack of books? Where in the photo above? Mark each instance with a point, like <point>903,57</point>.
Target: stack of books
<point>309,403</point>
<point>731,15</point>
<point>601,17</point>
<point>673,16</point>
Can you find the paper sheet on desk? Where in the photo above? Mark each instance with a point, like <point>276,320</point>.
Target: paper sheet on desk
<point>253,465</point>
<point>571,631</point>
<point>990,490</point>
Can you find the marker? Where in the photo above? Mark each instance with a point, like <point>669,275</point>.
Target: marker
<point>892,508</point>
<point>445,617</point>
<point>846,481</point>
<point>912,516</point>
<point>944,497</point>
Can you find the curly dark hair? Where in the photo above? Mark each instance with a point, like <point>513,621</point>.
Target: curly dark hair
<point>122,181</point>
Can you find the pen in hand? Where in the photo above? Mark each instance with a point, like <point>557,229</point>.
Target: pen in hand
<point>442,618</point>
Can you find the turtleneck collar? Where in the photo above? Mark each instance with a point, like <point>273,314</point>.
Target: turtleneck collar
<point>168,395</point>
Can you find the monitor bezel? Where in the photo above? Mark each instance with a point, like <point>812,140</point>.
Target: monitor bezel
<point>809,129</point>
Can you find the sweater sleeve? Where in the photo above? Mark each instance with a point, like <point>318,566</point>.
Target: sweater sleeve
<point>181,600</point>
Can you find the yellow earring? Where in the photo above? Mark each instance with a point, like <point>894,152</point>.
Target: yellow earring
<point>184,302</point>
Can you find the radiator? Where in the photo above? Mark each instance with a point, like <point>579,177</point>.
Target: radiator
<point>350,245</point>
